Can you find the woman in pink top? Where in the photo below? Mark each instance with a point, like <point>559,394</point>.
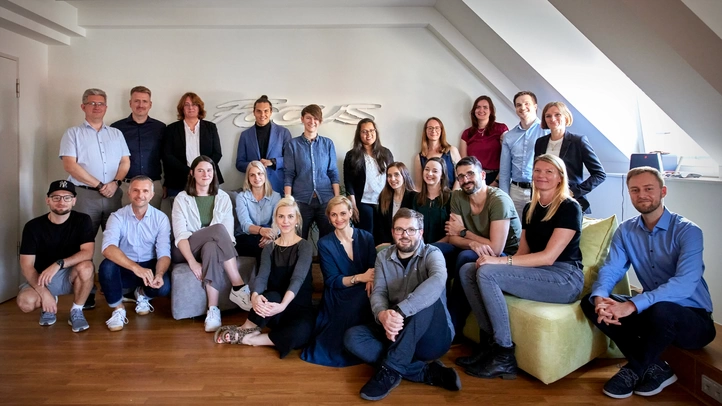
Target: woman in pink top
<point>483,139</point>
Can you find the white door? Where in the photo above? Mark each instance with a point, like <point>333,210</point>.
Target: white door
<point>9,180</point>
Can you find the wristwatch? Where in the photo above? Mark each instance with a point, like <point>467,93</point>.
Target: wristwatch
<point>462,233</point>
<point>118,182</point>
<point>61,263</point>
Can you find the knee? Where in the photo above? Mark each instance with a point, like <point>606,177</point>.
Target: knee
<point>350,338</point>
<point>662,313</point>
<point>26,302</point>
<point>467,272</point>
<point>85,270</point>
<point>106,268</point>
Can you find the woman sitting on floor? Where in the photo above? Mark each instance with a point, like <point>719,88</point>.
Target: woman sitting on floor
<point>282,290</point>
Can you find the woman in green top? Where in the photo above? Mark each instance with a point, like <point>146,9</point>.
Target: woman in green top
<point>203,230</point>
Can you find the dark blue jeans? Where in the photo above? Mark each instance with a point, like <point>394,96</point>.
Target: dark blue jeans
<point>425,337</point>
<point>366,213</point>
<point>314,212</point>
<point>642,337</point>
<point>459,307</point>
<point>113,279</point>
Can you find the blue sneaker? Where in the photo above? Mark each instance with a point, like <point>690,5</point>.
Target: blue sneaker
<point>655,379</point>
<point>622,384</point>
<point>381,384</point>
<point>77,321</point>
<point>47,318</point>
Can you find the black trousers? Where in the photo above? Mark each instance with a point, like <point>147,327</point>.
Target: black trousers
<point>314,212</point>
<point>642,337</point>
<point>290,329</point>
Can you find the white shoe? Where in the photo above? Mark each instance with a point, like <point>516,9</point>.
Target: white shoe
<point>117,320</point>
<point>142,307</point>
<point>242,297</point>
<point>213,319</point>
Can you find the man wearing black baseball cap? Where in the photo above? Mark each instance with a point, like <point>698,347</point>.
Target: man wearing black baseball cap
<point>56,258</point>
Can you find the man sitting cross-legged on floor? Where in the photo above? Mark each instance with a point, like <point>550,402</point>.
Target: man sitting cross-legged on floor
<point>55,258</point>
<point>136,245</point>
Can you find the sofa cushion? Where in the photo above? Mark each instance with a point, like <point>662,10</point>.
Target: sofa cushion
<point>594,244</point>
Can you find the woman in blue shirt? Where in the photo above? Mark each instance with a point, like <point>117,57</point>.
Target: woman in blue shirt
<point>254,209</point>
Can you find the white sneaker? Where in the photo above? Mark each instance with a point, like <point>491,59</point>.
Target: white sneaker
<point>142,307</point>
<point>117,320</point>
<point>213,319</point>
<point>242,297</point>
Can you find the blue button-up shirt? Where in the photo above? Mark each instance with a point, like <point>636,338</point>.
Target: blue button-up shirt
<point>145,145</point>
<point>310,168</point>
<point>98,152</point>
<point>517,154</point>
<point>140,240</point>
<point>251,212</point>
<point>667,260</point>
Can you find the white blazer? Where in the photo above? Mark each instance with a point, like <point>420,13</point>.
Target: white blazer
<point>187,219</point>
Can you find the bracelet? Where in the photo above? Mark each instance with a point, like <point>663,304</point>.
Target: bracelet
<point>509,260</point>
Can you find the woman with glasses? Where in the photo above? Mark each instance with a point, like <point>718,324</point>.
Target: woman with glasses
<point>546,268</point>
<point>282,290</point>
<point>364,170</point>
<point>348,257</point>
<point>399,192</point>
<point>185,140</point>
<point>483,138</point>
<point>434,144</point>
<point>203,231</point>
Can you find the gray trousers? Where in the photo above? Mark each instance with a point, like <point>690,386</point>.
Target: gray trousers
<point>211,246</point>
<point>96,206</point>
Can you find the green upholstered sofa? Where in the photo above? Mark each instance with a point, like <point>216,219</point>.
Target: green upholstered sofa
<point>553,340</point>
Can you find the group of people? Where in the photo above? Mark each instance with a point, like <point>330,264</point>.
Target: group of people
<point>403,266</point>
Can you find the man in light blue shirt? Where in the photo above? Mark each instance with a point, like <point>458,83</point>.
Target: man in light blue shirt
<point>136,245</point>
<point>517,151</point>
<point>675,307</point>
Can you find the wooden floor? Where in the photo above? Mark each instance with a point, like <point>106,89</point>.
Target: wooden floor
<point>157,360</point>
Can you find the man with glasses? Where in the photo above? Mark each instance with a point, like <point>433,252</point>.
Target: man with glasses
<point>483,221</point>
<point>413,327</point>
<point>55,258</point>
<point>97,159</point>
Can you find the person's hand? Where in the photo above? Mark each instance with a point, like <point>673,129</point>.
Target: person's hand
<point>145,274</point>
<point>196,268</point>
<point>367,276</point>
<point>264,242</point>
<point>157,282</point>
<point>273,309</point>
<point>354,215</point>
<point>267,233</point>
<point>489,259</point>
<point>481,249</point>
<point>47,275</point>
<point>393,322</point>
<point>611,312</point>
<point>266,162</point>
<point>47,300</point>
<point>454,225</point>
<point>369,288</point>
<point>258,302</point>
<point>108,189</point>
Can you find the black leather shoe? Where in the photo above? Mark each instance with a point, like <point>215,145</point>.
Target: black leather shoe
<point>437,374</point>
<point>481,351</point>
<point>501,363</point>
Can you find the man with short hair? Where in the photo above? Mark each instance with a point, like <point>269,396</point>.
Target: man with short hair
<point>517,151</point>
<point>56,258</point>
<point>483,221</point>
<point>136,245</point>
<point>144,137</point>
<point>413,326</point>
<point>675,308</point>
<point>97,159</point>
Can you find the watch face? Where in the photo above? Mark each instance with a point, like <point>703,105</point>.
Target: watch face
<point>462,233</point>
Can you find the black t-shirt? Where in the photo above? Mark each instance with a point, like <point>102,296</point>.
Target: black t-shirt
<point>264,135</point>
<point>538,233</point>
<point>50,242</point>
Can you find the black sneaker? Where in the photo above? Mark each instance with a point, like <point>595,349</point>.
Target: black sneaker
<point>437,374</point>
<point>89,302</point>
<point>381,384</point>
<point>622,384</point>
<point>655,379</point>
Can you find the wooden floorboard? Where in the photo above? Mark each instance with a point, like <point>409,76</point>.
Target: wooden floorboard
<point>156,360</point>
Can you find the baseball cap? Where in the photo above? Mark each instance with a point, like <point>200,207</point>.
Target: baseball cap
<point>62,185</point>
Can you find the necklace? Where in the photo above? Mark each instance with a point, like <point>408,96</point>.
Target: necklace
<point>544,206</point>
<point>283,248</point>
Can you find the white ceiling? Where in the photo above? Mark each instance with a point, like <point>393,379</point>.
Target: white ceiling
<point>85,4</point>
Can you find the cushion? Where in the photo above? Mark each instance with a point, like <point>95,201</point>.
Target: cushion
<point>594,244</point>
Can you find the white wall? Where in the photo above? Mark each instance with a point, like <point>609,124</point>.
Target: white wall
<point>697,200</point>
<point>406,70</point>
<point>33,67</point>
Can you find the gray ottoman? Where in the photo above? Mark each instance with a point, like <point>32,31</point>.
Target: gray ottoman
<point>188,298</point>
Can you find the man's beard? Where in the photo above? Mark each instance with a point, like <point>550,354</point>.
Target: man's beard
<point>410,248</point>
<point>471,191</point>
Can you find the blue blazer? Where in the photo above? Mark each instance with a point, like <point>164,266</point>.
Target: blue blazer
<point>577,152</point>
<point>248,151</point>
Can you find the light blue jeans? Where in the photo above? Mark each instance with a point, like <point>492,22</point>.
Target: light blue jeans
<point>485,287</point>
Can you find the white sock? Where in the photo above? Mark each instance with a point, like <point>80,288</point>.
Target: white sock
<point>77,306</point>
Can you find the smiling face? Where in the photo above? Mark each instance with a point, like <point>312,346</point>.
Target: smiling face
<point>262,112</point>
<point>94,108</point>
<point>394,178</point>
<point>190,109</point>
<point>555,119</point>
<point>433,130</point>
<point>482,110</point>
<point>368,134</point>
<point>339,216</point>
<point>310,123</point>
<point>432,173</point>
<point>545,176</point>
<point>646,193</point>
<point>140,193</point>
<point>525,107</point>
<point>286,219</point>
<point>203,174</point>
<point>140,104</point>
<point>401,231</point>
<point>470,179</point>
<point>256,177</point>
<point>60,207</point>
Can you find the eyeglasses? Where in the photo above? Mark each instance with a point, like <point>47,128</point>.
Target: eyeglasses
<point>57,198</point>
<point>433,129</point>
<point>368,132</point>
<point>190,106</point>
<point>409,231</point>
<point>462,176</point>
<point>95,104</point>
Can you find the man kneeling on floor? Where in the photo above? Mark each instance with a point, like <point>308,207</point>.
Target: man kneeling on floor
<point>136,245</point>
<point>408,301</point>
<point>55,258</point>
<point>675,308</point>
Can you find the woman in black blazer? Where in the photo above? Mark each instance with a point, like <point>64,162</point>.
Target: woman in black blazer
<point>366,156</point>
<point>575,150</point>
<point>177,154</point>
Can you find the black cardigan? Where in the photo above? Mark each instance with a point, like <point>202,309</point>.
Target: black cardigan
<point>174,152</point>
<point>383,222</point>
<point>354,178</point>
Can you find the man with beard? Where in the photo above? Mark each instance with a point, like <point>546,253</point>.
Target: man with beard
<point>55,258</point>
<point>483,221</point>
<point>136,245</point>
<point>413,326</point>
<point>675,307</point>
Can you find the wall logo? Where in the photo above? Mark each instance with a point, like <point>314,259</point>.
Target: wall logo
<point>284,114</point>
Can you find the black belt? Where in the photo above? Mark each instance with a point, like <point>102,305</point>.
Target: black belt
<point>87,187</point>
<point>523,185</point>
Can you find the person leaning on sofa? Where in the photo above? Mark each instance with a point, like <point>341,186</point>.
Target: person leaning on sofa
<point>675,307</point>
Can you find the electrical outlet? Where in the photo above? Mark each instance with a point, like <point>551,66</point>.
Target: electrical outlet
<point>711,388</point>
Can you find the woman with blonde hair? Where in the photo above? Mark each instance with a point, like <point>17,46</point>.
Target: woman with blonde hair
<point>434,144</point>
<point>282,290</point>
<point>546,268</point>
<point>348,257</point>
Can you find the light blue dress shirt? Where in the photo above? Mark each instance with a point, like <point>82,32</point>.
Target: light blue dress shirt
<point>251,212</point>
<point>517,154</point>
<point>668,262</point>
<point>98,152</point>
<point>310,168</point>
<point>140,240</point>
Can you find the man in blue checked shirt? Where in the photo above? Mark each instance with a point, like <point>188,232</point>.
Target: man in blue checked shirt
<point>675,307</point>
<point>136,245</point>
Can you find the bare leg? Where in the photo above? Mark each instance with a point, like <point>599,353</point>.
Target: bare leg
<point>231,268</point>
<point>212,294</point>
<point>82,279</point>
<point>257,338</point>
<point>28,300</point>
